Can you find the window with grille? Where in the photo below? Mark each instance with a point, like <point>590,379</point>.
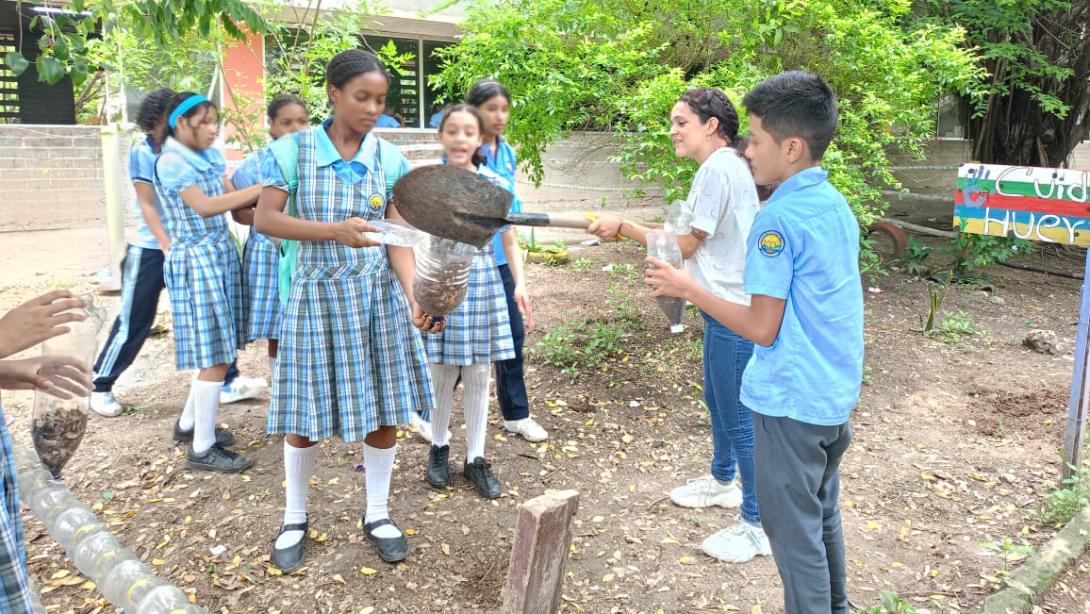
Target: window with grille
<point>9,85</point>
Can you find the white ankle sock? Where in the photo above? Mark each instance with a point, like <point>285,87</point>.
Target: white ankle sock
<point>186,421</point>
<point>206,400</point>
<point>378,467</point>
<point>475,380</point>
<point>443,378</point>
<point>298,465</point>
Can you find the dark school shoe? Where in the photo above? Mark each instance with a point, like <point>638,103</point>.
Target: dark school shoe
<point>217,459</point>
<point>480,473</point>
<point>390,549</point>
<point>224,437</point>
<point>289,559</point>
<point>439,467</point>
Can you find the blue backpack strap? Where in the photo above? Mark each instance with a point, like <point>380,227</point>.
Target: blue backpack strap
<point>286,153</point>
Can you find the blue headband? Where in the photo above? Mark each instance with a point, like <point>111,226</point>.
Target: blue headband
<point>181,109</point>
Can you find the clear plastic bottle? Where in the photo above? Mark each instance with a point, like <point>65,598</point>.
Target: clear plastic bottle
<point>92,546</point>
<point>69,523</point>
<point>129,583</point>
<point>663,245</point>
<point>58,425</point>
<point>165,600</point>
<point>442,274</point>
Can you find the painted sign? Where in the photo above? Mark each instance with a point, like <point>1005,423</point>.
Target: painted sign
<point>1039,204</point>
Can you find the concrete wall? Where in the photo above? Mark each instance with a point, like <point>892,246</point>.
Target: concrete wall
<point>50,177</point>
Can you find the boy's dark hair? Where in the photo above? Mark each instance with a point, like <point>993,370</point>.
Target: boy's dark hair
<point>153,108</point>
<point>485,90</point>
<point>282,101</point>
<point>351,63</point>
<point>179,99</point>
<point>478,155</point>
<point>796,103</point>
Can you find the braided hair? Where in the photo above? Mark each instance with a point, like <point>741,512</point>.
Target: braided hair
<point>351,63</point>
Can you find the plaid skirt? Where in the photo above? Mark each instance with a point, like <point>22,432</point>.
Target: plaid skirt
<point>479,330</point>
<point>16,594</point>
<point>204,278</point>
<point>260,259</point>
<point>349,359</point>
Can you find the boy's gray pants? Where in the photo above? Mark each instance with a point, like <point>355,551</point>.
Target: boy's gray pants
<point>798,483</point>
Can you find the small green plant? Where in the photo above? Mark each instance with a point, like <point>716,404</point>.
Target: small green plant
<point>972,252</point>
<point>575,347</point>
<point>1062,504</point>
<point>581,265</point>
<point>1009,552</point>
<point>625,271</point>
<point>912,262</point>
<point>954,326</point>
<point>868,375</point>
<point>937,298</point>
<point>891,603</point>
<point>625,312</point>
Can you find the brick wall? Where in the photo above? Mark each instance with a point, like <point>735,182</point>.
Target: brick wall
<point>50,177</point>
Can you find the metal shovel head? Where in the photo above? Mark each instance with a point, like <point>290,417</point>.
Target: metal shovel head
<point>452,203</point>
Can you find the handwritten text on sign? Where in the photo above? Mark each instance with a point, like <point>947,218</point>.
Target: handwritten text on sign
<point>1039,204</point>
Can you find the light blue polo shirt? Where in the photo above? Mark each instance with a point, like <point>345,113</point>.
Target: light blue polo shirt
<point>142,170</point>
<point>804,248</point>
<point>502,162</point>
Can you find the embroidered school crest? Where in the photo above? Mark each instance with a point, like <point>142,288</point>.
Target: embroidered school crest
<point>375,201</point>
<point>771,244</point>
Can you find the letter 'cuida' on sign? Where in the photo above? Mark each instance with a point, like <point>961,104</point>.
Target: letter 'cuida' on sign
<point>1050,205</point>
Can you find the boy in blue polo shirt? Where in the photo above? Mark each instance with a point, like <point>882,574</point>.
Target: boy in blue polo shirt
<point>806,318</point>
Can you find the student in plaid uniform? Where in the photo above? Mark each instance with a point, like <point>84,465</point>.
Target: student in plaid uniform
<point>202,272</point>
<point>61,376</point>
<point>350,363</point>
<point>478,332</point>
<point>260,258</point>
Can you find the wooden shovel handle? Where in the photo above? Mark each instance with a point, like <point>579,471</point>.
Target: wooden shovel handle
<point>580,221</point>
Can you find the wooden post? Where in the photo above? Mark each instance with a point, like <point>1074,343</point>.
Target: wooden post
<point>542,539</point>
<point>1080,391</point>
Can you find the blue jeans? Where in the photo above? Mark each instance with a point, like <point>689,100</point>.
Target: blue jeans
<point>725,357</point>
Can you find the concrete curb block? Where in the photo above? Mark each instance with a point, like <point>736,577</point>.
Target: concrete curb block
<point>1030,581</point>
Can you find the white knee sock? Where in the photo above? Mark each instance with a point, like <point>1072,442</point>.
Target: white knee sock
<point>272,367</point>
<point>186,421</point>
<point>298,465</point>
<point>378,467</point>
<point>443,379</point>
<point>475,380</point>
<point>206,400</point>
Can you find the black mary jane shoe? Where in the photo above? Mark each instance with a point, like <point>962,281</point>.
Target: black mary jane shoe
<point>289,559</point>
<point>479,473</point>
<point>439,467</point>
<point>390,549</point>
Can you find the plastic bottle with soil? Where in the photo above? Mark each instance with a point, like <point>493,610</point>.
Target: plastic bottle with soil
<point>58,425</point>
<point>663,245</point>
<point>442,274</point>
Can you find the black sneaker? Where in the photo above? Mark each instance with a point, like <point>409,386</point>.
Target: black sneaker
<point>439,467</point>
<point>224,437</point>
<point>480,473</point>
<point>289,559</point>
<point>390,549</point>
<point>217,459</point>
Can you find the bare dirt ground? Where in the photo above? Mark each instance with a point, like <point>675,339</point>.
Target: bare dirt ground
<point>956,443</point>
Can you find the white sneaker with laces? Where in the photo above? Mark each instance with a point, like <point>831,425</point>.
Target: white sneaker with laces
<point>242,388</point>
<point>527,428</point>
<point>738,544</point>
<point>706,491</point>
<point>105,404</point>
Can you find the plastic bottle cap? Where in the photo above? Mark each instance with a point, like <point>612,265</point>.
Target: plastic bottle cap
<point>677,328</point>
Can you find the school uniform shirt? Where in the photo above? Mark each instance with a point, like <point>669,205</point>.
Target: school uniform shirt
<point>502,162</point>
<point>804,249</point>
<point>260,264</point>
<point>202,269</point>
<point>723,202</point>
<point>16,590</point>
<point>478,331</point>
<point>349,360</point>
<point>142,170</point>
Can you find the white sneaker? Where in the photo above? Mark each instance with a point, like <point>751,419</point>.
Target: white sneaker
<point>527,428</point>
<point>242,388</point>
<point>738,544</point>
<point>104,404</point>
<point>706,491</point>
<point>423,428</point>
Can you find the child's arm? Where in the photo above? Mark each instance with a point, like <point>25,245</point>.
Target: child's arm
<point>608,227</point>
<point>760,322</point>
<point>145,195</point>
<point>206,206</point>
<point>514,262</point>
<point>271,220</point>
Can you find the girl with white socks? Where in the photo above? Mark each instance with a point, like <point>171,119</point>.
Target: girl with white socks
<point>478,332</point>
<point>349,361</point>
<point>202,272</point>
